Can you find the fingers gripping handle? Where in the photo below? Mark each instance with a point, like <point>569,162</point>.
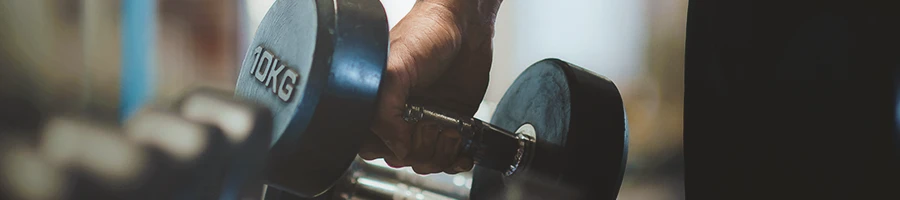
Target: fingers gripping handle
<point>488,145</point>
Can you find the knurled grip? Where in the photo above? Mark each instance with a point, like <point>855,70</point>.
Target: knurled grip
<point>488,145</point>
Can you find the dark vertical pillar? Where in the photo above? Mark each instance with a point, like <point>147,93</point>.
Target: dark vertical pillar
<point>790,100</point>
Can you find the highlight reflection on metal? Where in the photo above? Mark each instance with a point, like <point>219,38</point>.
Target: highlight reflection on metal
<point>527,137</point>
<point>376,180</point>
<point>397,190</point>
<point>377,184</point>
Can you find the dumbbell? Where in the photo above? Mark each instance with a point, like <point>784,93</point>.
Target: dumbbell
<point>208,147</point>
<point>318,66</point>
<point>159,156</point>
<point>237,134</point>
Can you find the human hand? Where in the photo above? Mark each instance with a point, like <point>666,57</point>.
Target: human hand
<point>440,55</point>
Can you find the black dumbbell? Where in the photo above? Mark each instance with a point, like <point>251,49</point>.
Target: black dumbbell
<point>318,66</point>
<point>160,157</point>
<point>191,157</point>
<point>248,130</point>
<point>212,148</point>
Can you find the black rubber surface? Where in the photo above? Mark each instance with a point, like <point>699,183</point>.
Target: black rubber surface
<point>581,130</point>
<point>322,133</point>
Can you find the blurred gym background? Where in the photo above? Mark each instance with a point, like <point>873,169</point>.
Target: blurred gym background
<point>108,58</point>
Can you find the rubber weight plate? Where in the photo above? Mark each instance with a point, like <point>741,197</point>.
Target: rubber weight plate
<point>581,128</point>
<point>317,65</point>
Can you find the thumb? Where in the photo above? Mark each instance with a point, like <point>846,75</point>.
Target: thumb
<point>388,124</point>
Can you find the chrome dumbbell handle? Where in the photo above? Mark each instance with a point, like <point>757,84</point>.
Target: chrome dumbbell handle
<point>489,146</point>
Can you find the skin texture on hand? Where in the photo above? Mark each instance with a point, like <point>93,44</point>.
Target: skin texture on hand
<point>440,55</point>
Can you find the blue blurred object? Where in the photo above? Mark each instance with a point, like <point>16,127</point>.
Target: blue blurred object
<point>138,50</point>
